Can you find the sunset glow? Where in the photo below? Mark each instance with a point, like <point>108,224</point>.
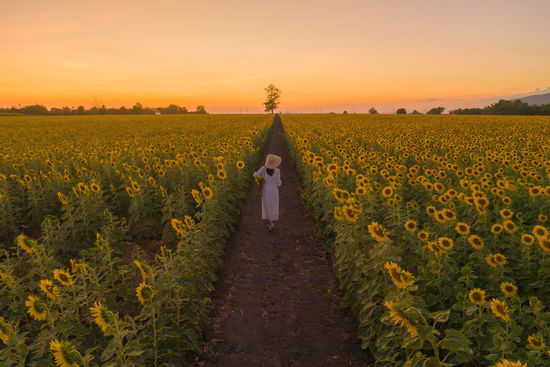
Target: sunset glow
<point>324,55</point>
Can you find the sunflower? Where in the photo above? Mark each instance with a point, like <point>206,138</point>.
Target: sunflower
<point>506,213</point>
<point>25,243</point>
<point>445,243</point>
<point>83,188</point>
<point>527,239</point>
<point>349,213</point>
<point>94,187</point>
<point>431,210</point>
<point>507,363</point>
<point>101,316</point>
<point>62,198</point>
<point>435,248</point>
<point>496,228</point>
<point>536,342</point>
<point>423,235</point>
<point>545,244</point>
<point>477,296</point>
<point>196,196</point>
<point>130,191</point>
<point>338,215</point>
<point>240,164</point>
<point>540,232</point>
<point>500,309</point>
<point>35,308</point>
<point>377,232</point>
<point>221,174</point>
<point>542,218</point>
<point>135,186</point>
<point>440,216</point>
<point>207,192</point>
<point>476,242</point>
<point>387,191</point>
<point>178,226</point>
<point>535,191</point>
<point>152,181</point>
<point>144,293</point>
<point>509,226</point>
<point>63,353</point>
<point>401,278</point>
<point>4,331</point>
<point>462,228</point>
<point>49,289</point>
<point>508,289</point>
<point>63,277</point>
<point>410,225</point>
<point>500,259</point>
<point>399,318</point>
<point>189,222</point>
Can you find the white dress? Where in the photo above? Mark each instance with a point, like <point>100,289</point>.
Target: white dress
<point>270,193</point>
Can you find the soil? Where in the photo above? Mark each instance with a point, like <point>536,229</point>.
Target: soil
<point>277,301</point>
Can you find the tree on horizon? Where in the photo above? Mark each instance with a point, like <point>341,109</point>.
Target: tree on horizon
<point>272,98</point>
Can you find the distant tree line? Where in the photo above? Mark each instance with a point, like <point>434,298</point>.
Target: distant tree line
<point>99,110</point>
<point>505,107</point>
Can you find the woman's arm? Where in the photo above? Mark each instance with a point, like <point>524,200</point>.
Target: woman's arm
<point>259,172</point>
<point>278,179</point>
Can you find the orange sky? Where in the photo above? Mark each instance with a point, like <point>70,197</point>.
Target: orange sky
<point>324,55</point>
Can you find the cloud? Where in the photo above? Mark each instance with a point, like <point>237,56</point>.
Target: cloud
<point>536,91</point>
<point>430,100</point>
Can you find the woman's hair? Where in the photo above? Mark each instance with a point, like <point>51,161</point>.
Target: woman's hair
<point>269,171</point>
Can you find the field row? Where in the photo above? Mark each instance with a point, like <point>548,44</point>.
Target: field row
<point>111,230</point>
<point>439,226</point>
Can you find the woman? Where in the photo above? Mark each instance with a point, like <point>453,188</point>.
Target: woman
<point>270,191</point>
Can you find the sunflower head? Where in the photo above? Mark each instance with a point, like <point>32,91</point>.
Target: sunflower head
<point>540,232</point>
<point>63,353</point>
<point>26,243</point>
<point>63,277</point>
<point>462,228</point>
<point>377,232</point>
<point>500,309</point>
<point>423,235</point>
<point>536,342</point>
<point>36,309</point>
<point>545,244</point>
<point>144,293</point>
<point>477,296</point>
<point>508,289</point>
<point>178,226</point>
<point>240,164</point>
<point>207,192</point>
<point>399,318</point>
<point>401,278</point>
<point>349,213</point>
<point>496,228</point>
<point>476,242</point>
<point>410,225</point>
<point>101,316</point>
<point>445,243</point>
<point>49,289</point>
<point>338,215</point>
<point>509,226</point>
<point>5,331</point>
<point>527,239</point>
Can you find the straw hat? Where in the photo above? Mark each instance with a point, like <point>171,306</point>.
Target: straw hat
<point>272,161</point>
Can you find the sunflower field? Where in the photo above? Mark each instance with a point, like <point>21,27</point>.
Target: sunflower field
<point>111,230</point>
<point>440,230</point>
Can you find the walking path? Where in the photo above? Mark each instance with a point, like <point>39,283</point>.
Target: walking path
<point>277,301</point>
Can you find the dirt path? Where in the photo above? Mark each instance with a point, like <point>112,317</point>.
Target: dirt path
<point>277,301</point>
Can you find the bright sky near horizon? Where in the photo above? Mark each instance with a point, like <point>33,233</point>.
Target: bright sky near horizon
<point>324,55</point>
